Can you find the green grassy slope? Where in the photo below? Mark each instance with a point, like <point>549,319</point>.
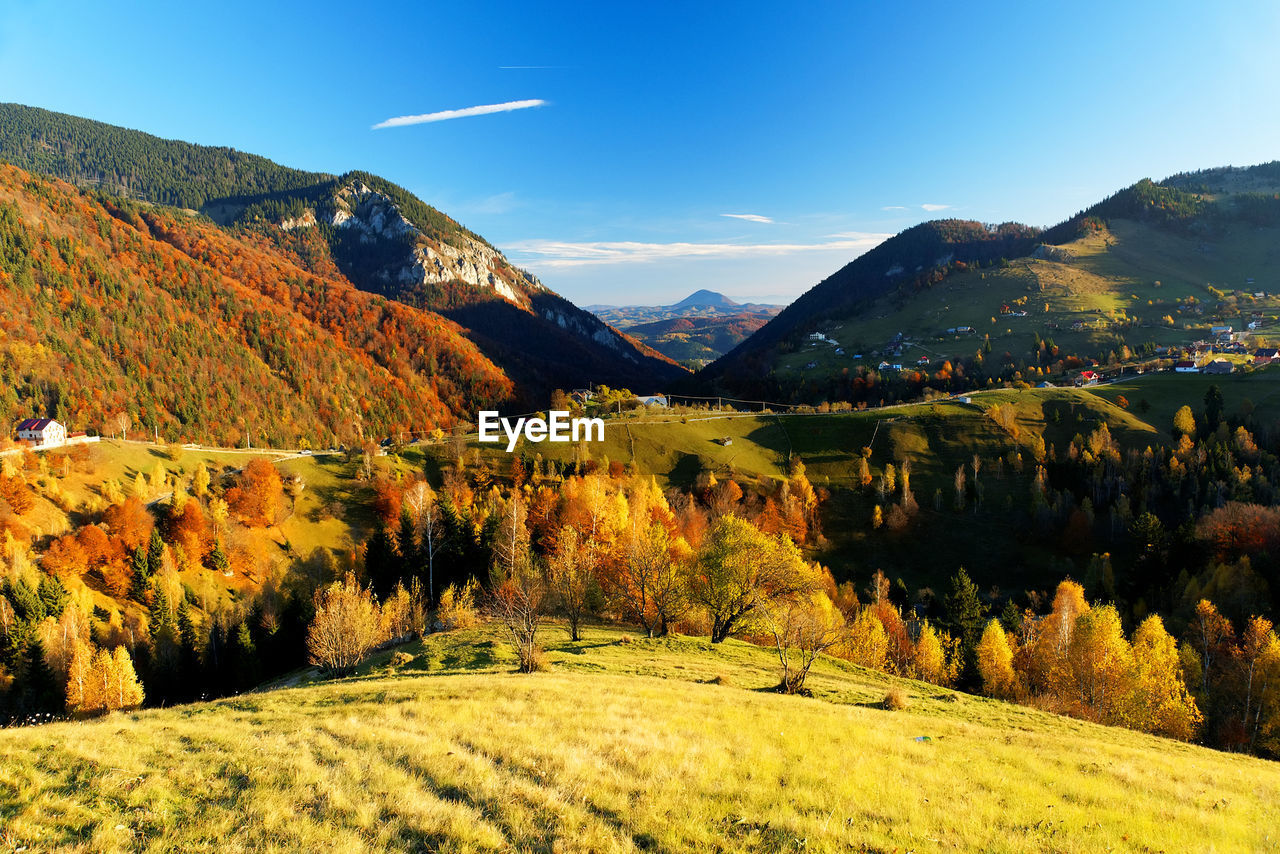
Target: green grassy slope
<point>665,745</point>
<point>1120,283</point>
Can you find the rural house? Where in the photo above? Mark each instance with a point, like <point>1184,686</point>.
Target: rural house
<point>42,432</point>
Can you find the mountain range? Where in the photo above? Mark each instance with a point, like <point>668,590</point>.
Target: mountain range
<point>694,331</point>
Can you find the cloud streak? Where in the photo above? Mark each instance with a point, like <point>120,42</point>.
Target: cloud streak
<point>552,254</point>
<point>750,217</point>
<point>466,112</point>
<point>933,208</point>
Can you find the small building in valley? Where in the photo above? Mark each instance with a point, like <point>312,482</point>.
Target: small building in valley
<point>1184,367</point>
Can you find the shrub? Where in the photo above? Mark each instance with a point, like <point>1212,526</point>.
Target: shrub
<point>895,700</point>
<point>533,659</point>
<point>346,626</point>
<point>458,609</point>
<point>400,658</point>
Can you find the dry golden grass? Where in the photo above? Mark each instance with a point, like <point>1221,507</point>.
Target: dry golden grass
<point>622,747</point>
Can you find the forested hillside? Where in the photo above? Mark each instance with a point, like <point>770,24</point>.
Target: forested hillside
<point>1139,277</point>
<point>110,307</point>
<point>377,235</point>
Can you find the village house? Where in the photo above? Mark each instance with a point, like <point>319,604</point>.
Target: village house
<point>42,432</point>
<point>653,400</point>
<point>1265,355</point>
<point>1219,366</point>
<point>1185,367</point>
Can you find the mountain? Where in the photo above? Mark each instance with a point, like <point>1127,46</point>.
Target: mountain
<point>1138,277</point>
<point>201,333</point>
<point>356,226</point>
<point>694,331</point>
<point>705,298</point>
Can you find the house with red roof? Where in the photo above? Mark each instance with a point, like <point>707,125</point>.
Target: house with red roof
<point>42,432</point>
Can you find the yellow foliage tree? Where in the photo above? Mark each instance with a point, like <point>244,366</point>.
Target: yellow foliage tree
<point>1160,701</point>
<point>866,642</point>
<point>995,662</point>
<point>803,626</point>
<point>928,658</point>
<point>740,569</point>
<point>1100,667</point>
<point>101,681</point>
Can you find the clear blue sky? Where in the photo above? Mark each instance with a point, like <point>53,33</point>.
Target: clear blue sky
<point>837,122</point>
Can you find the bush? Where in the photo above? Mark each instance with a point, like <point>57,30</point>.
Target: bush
<point>400,658</point>
<point>895,700</point>
<point>533,659</point>
<point>346,626</point>
<point>458,609</point>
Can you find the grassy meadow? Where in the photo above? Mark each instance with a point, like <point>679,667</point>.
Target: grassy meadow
<point>649,745</point>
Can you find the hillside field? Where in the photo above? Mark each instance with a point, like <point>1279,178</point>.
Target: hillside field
<point>652,745</point>
<point>1118,284</point>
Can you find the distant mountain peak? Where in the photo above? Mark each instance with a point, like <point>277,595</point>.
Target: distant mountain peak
<point>705,297</point>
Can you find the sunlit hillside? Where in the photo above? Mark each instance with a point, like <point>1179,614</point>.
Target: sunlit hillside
<point>665,745</point>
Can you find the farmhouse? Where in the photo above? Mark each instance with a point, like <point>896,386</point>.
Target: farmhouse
<point>1088,378</point>
<point>42,432</point>
<point>1219,366</point>
<point>653,400</point>
<point>1185,367</point>
<point>1265,355</point>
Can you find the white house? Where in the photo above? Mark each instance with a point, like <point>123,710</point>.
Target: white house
<point>653,399</point>
<point>42,432</point>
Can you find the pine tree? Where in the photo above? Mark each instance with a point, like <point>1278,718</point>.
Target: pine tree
<point>140,565</point>
<point>964,620</point>
<point>217,560</point>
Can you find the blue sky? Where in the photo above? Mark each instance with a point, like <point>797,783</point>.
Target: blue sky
<point>830,125</point>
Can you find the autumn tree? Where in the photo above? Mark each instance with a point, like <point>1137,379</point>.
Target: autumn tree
<point>649,584</point>
<point>1184,422</point>
<point>517,587</point>
<point>259,497</point>
<point>866,642</point>
<point>803,626</point>
<point>995,663</point>
<point>570,571</point>
<point>739,570</point>
<point>1161,703</point>
<point>346,626</point>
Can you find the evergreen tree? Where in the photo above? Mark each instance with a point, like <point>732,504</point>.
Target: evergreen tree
<point>52,595</point>
<point>217,560</point>
<point>155,552</point>
<point>964,620</point>
<point>1213,406</point>
<point>381,562</point>
<point>406,542</point>
<point>140,565</point>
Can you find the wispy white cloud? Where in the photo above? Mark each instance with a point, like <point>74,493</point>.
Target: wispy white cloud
<point>749,217</point>
<point>926,207</point>
<point>560,254</point>
<point>466,112</point>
